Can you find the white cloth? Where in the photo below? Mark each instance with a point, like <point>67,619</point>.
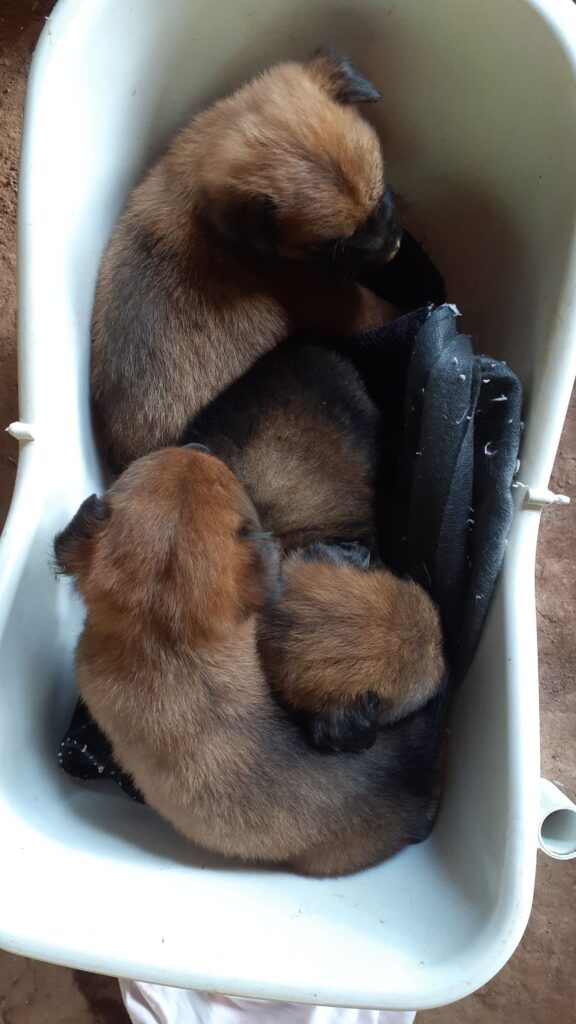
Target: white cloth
<point>159,1004</point>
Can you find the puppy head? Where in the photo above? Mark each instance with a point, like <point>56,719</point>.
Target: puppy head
<point>175,544</point>
<point>289,167</point>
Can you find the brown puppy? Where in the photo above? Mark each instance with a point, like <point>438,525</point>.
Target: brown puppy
<point>355,645</point>
<point>174,570</point>
<point>300,433</point>
<point>233,241</point>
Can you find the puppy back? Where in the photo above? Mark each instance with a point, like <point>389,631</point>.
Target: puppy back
<point>301,433</point>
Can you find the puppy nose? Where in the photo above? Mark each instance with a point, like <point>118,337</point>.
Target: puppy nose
<point>195,446</point>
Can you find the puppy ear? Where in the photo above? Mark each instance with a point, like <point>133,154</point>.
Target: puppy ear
<point>342,81</point>
<point>265,570</point>
<point>248,221</point>
<point>70,546</point>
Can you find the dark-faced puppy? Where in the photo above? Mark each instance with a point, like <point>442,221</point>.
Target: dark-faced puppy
<point>174,571</point>
<point>232,242</point>
<point>300,433</point>
<point>352,645</point>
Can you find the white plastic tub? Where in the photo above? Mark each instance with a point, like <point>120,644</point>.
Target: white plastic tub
<point>479,123</point>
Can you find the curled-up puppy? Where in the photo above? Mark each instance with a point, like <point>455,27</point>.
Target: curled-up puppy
<point>174,570</point>
<point>349,646</point>
<point>245,231</point>
<point>300,433</point>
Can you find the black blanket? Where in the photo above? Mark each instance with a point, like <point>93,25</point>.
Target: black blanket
<point>452,424</point>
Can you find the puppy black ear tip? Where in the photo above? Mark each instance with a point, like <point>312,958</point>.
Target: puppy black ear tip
<point>373,97</point>
<point>89,518</point>
<point>355,88</point>
<point>344,82</point>
<point>98,507</point>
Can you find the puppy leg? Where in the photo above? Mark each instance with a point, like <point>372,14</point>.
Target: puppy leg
<point>341,634</point>
<point>343,726</point>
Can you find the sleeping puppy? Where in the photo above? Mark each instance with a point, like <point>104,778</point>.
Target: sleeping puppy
<point>350,646</point>
<point>245,231</point>
<point>300,433</point>
<point>174,570</point>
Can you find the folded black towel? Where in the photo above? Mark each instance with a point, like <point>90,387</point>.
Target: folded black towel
<point>448,462</point>
<point>86,753</point>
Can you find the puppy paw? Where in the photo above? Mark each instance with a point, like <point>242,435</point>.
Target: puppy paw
<point>344,727</point>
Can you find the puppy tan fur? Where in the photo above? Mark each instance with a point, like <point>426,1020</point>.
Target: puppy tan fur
<point>300,433</point>
<point>341,632</point>
<point>174,571</point>
<point>233,241</point>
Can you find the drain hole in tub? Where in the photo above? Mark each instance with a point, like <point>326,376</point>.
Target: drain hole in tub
<point>558,833</point>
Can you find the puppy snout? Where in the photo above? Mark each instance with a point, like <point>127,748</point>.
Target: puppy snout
<point>378,238</point>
